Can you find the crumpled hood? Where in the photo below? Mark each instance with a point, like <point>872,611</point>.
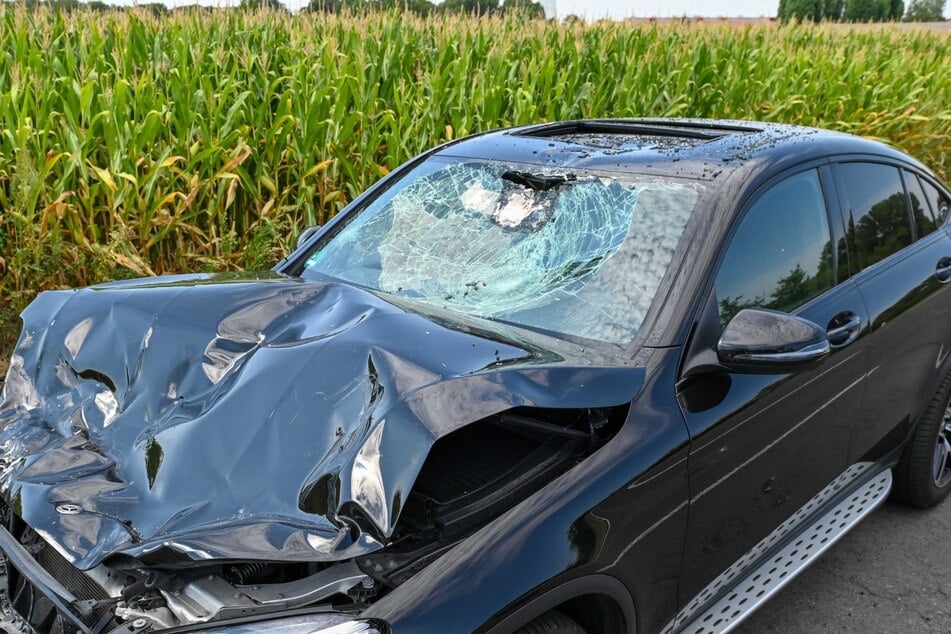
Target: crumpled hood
<point>239,417</point>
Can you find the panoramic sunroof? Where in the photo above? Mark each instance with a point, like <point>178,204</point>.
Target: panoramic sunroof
<point>628,142</point>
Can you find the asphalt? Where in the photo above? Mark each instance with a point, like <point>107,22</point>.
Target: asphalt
<point>891,573</point>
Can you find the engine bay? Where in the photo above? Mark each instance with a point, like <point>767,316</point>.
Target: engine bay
<point>470,477</point>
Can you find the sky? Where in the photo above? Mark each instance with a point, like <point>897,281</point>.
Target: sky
<point>593,9</point>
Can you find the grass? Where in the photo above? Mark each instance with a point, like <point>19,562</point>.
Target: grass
<point>135,145</point>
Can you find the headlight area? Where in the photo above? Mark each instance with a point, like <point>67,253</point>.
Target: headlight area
<point>304,624</point>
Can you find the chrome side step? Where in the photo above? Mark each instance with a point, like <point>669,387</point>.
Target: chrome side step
<point>761,583</point>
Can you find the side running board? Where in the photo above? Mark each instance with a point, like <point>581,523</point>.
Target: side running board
<point>761,583</point>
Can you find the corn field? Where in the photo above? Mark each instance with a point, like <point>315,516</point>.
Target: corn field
<point>132,144</point>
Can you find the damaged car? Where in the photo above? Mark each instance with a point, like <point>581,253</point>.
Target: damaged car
<point>591,376</point>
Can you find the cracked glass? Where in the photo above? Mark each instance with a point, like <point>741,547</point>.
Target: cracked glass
<point>559,250</point>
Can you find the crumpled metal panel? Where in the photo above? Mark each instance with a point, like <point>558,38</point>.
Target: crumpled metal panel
<point>253,417</point>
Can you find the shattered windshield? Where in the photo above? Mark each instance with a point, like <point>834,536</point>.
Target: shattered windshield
<point>560,250</point>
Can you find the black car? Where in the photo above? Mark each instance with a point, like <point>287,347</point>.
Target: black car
<point>593,376</point>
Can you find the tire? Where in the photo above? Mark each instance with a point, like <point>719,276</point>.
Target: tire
<point>923,475</point>
<point>552,622</point>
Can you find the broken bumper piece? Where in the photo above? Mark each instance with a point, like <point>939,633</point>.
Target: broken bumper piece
<point>75,615</point>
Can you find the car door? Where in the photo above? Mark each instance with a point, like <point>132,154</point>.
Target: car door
<point>763,445</point>
<point>904,264</point>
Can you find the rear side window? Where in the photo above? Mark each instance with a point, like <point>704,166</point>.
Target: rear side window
<point>781,254</point>
<point>920,210</point>
<point>938,201</point>
<point>878,224</point>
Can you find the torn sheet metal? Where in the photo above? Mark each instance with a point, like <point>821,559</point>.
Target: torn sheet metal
<point>253,417</point>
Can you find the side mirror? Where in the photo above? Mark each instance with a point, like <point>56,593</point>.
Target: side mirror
<point>306,234</point>
<point>767,341</point>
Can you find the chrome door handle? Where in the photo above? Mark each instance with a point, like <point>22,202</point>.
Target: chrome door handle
<point>841,335</point>
<point>943,270</point>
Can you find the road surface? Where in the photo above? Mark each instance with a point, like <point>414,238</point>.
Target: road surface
<point>892,573</point>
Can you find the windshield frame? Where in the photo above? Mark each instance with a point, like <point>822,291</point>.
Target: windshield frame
<point>295,264</point>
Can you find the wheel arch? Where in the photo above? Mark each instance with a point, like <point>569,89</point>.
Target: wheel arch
<point>914,420</point>
<point>598,602</point>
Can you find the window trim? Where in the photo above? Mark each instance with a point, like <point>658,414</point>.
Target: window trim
<point>925,178</point>
<point>909,210</point>
<point>909,174</point>
<point>838,225</point>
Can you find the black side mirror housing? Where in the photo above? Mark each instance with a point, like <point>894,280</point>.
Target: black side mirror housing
<point>757,340</point>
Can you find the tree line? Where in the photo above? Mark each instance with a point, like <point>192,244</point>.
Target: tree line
<point>526,8</point>
<point>861,10</point>
<point>424,7</point>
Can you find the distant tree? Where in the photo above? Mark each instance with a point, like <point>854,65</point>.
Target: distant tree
<point>867,10</point>
<point>64,5</point>
<point>261,4</point>
<point>327,6</point>
<point>833,10</point>
<point>524,7</point>
<point>801,10</point>
<point>155,8</point>
<point>471,7</point>
<point>896,8</point>
<point>571,18</point>
<point>419,7</point>
<point>925,11</point>
<point>193,8</point>
<point>422,7</point>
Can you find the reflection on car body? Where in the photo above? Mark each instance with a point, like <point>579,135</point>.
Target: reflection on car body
<point>595,376</point>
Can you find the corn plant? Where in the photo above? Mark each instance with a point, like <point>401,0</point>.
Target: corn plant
<point>132,144</point>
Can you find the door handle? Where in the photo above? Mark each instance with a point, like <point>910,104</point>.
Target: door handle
<point>839,333</point>
<point>943,270</point>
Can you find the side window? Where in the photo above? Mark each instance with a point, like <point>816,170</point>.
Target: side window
<point>781,254</point>
<point>879,214</point>
<point>939,202</point>
<point>920,210</point>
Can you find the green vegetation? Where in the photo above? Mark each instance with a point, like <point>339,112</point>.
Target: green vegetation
<point>925,11</point>
<point>134,143</point>
<point>841,10</point>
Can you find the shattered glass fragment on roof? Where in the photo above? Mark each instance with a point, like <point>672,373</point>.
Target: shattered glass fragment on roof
<point>629,142</point>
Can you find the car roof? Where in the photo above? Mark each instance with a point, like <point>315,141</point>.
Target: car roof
<point>705,149</point>
<point>734,157</point>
